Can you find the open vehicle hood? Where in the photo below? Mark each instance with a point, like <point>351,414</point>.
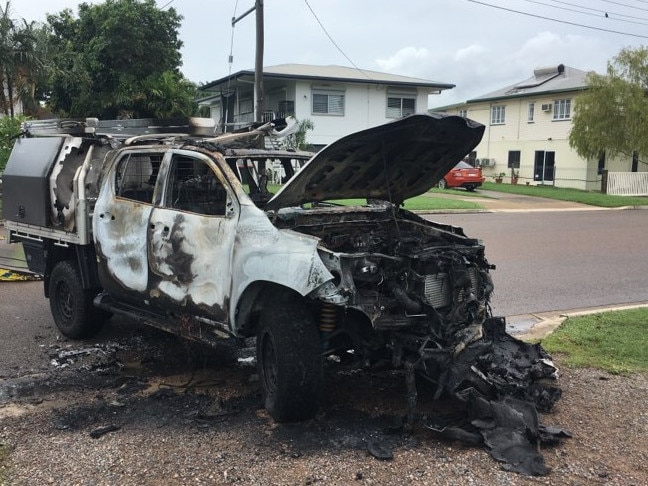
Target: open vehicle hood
<point>392,162</point>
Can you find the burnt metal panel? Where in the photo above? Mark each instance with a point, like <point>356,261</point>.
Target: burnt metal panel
<point>390,162</point>
<point>25,180</point>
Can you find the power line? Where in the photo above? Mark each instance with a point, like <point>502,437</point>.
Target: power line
<point>558,20</point>
<point>333,42</point>
<point>639,1</point>
<point>166,4</point>
<point>587,13</point>
<point>617,14</point>
<point>626,5</point>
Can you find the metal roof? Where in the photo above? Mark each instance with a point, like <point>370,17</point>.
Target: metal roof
<point>332,73</point>
<point>544,80</point>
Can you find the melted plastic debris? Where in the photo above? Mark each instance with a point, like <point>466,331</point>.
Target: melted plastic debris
<point>7,275</point>
<point>503,382</point>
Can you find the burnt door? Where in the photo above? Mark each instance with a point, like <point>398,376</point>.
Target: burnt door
<point>544,166</point>
<point>120,222</point>
<point>191,235</point>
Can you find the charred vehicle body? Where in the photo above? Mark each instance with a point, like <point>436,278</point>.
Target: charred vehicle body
<point>179,231</point>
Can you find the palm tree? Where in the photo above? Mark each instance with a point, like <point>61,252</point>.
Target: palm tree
<point>6,59</point>
<point>20,63</point>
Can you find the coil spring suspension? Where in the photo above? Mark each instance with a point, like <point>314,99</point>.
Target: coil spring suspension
<point>328,318</point>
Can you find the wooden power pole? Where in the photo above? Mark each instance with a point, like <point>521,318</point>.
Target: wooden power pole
<point>258,64</point>
<point>259,107</point>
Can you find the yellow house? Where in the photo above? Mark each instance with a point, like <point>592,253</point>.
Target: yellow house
<point>527,131</point>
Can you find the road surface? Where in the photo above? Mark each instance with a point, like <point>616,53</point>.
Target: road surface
<point>561,260</point>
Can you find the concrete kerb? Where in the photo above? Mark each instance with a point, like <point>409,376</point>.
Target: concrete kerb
<point>534,327</point>
<point>526,210</point>
<point>495,202</point>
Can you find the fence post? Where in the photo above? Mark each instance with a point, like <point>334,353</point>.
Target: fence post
<point>604,179</point>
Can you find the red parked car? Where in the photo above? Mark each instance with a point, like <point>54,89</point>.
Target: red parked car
<point>463,175</point>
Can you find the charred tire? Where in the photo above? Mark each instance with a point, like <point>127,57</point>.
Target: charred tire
<point>470,188</point>
<point>71,304</point>
<point>442,184</point>
<point>290,362</point>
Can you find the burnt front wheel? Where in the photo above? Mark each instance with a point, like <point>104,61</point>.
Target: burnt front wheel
<point>71,304</point>
<point>442,184</point>
<point>289,358</point>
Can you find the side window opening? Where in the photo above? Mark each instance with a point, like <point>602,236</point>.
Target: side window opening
<point>136,176</point>
<point>194,187</point>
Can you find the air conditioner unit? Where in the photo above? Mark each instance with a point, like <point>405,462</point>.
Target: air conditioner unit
<point>546,107</point>
<point>487,162</point>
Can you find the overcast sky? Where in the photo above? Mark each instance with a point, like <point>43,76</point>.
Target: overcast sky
<point>469,43</point>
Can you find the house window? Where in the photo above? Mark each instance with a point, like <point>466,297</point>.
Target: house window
<point>498,115</point>
<point>286,108</point>
<point>514,159</point>
<point>246,105</point>
<point>562,110</point>
<point>328,102</point>
<point>463,113</point>
<point>400,105</point>
<point>531,112</point>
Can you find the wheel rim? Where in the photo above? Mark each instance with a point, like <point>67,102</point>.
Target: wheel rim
<point>269,364</point>
<point>64,300</point>
<point>442,184</point>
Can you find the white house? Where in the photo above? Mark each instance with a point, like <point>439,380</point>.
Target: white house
<point>527,131</point>
<point>338,100</point>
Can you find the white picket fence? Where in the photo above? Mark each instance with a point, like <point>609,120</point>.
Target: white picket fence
<point>627,183</point>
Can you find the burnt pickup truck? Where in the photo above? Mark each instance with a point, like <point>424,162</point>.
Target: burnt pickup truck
<point>179,231</point>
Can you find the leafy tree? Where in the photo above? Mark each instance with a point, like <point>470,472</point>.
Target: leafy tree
<point>9,130</point>
<point>119,59</point>
<point>611,116</point>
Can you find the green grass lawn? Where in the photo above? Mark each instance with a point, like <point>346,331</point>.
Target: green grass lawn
<point>424,202</point>
<point>421,203</point>
<point>457,192</point>
<point>611,341</point>
<point>429,203</point>
<point>576,195</point>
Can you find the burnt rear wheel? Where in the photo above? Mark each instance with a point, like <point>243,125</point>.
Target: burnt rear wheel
<point>290,362</point>
<point>71,304</point>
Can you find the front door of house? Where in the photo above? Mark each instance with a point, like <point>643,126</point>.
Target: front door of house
<point>544,166</point>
